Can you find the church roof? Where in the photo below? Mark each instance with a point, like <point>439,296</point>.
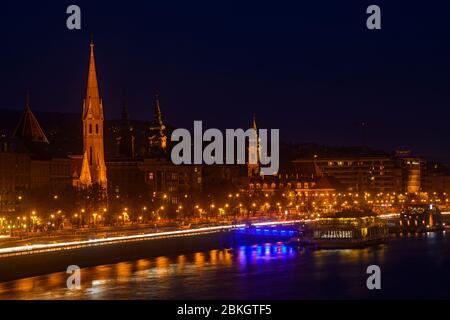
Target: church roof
<point>28,127</point>
<point>303,169</point>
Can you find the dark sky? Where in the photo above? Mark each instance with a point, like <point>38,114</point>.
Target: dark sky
<point>310,68</point>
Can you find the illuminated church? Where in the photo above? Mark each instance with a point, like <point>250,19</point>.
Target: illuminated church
<point>93,168</point>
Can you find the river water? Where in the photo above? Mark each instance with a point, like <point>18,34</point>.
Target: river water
<point>414,266</point>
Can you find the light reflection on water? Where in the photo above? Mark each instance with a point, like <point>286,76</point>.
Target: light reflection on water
<point>276,271</point>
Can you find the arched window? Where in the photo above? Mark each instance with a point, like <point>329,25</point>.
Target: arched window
<point>90,128</point>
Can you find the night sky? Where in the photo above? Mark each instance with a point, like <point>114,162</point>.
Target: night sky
<point>310,68</point>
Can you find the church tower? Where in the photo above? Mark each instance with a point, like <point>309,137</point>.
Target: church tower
<point>94,154</point>
<point>253,151</point>
<point>126,140</point>
<point>157,140</point>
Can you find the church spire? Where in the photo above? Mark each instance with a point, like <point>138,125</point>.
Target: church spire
<point>125,139</point>
<point>27,101</point>
<point>157,116</point>
<point>157,140</point>
<point>254,122</point>
<point>92,86</point>
<point>92,101</point>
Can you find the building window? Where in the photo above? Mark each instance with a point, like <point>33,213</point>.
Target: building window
<point>150,176</point>
<point>90,128</point>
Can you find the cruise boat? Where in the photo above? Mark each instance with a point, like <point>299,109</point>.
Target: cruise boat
<point>348,229</point>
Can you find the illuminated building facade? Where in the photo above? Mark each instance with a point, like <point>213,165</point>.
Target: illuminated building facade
<point>361,174</point>
<point>412,171</point>
<point>15,165</point>
<point>29,165</point>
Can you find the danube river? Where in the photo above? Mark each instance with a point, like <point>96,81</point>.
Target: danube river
<point>414,266</point>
